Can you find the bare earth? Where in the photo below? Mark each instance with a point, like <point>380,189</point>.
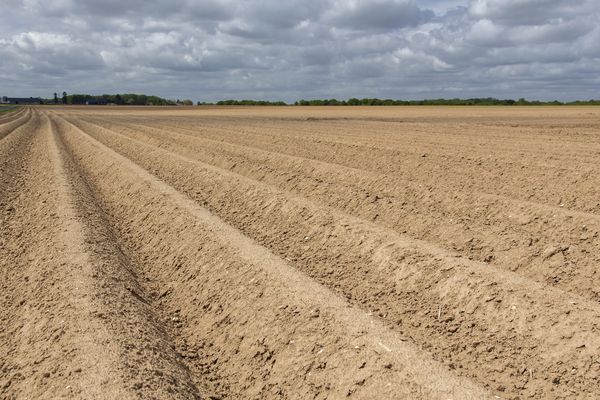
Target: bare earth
<point>300,253</point>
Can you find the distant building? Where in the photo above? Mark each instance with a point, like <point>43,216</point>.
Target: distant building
<point>94,102</point>
<point>22,100</point>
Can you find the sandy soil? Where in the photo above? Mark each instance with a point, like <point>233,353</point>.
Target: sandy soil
<point>208,253</point>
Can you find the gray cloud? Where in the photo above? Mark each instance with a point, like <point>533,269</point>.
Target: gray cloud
<point>215,49</point>
<point>381,15</point>
<point>530,12</point>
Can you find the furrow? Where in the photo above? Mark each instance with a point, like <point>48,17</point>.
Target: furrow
<point>10,115</point>
<point>14,280</point>
<point>124,338</point>
<point>7,128</point>
<point>274,332</point>
<point>162,129</point>
<point>576,190</point>
<point>510,234</point>
<point>35,343</point>
<point>408,140</point>
<point>491,325</point>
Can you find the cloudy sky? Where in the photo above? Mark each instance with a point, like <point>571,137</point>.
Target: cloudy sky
<point>278,49</point>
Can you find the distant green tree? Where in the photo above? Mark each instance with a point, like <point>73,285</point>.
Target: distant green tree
<point>55,98</point>
<point>487,101</point>
<point>232,102</point>
<point>78,98</point>
<point>64,98</point>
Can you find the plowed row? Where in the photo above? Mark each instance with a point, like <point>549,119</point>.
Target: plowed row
<point>300,253</point>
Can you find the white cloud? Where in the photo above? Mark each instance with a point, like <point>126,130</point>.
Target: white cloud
<point>274,49</point>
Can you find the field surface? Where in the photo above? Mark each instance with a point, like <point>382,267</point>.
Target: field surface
<point>6,108</point>
<point>300,253</point>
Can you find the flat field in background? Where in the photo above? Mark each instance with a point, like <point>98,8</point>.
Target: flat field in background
<point>5,108</point>
<point>290,252</point>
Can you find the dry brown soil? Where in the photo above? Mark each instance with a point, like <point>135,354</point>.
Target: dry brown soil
<point>300,253</point>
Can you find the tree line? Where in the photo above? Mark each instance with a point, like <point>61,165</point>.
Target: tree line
<point>487,101</point>
<point>131,99</point>
<point>145,100</point>
<point>245,103</point>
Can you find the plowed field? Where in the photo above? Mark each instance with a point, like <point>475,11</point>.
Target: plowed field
<point>300,253</point>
